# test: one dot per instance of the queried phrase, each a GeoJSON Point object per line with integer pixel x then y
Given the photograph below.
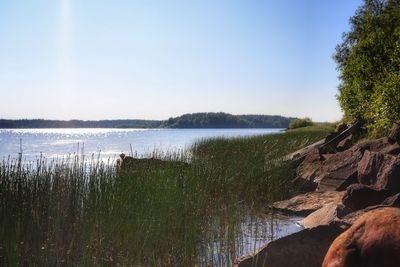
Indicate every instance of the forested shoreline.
{"type": "Point", "coordinates": [195, 120]}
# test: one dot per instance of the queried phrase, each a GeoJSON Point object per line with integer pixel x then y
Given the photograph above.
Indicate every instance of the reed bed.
{"type": "Point", "coordinates": [204, 206]}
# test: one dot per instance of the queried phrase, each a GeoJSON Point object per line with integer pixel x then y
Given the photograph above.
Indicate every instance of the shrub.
{"type": "Point", "coordinates": [299, 123]}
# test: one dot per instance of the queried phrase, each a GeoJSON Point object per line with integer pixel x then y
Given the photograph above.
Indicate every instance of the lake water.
{"type": "Point", "coordinates": [108, 142]}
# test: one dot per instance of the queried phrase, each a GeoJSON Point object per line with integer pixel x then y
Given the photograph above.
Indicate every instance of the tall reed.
{"type": "Point", "coordinates": [203, 206]}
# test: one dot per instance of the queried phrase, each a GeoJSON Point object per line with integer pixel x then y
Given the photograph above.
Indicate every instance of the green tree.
{"type": "Point", "coordinates": [299, 123]}
{"type": "Point", "coordinates": [368, 60]}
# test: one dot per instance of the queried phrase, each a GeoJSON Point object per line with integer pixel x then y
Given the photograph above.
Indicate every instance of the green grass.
{"type": "Point", "coordinates": [88, 213]}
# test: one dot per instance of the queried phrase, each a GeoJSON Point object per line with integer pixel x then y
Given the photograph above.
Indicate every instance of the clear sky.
{"type": "Point", "coordinates": [102, 59]}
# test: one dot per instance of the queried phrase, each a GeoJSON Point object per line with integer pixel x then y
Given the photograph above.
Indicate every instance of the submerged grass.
{"type": "Point", "coordinates": [79, 212]}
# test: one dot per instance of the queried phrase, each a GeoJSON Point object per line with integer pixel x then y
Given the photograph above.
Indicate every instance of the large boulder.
{"type": "Point", "coordinates": [337, 171]}
{"type": "Point", "coordinates": [373, 240]}
{"type": "Point", "coordinates": [349, 219]}
{"type": "Point", "coordinates": [332, 172]}
{"type": "Point", "coordinates": [374, 145]}
{"type": "Point", "coordinates": [389, 174]}
{"type": "Point", "coordinates": [307, 203]}
{"type": "Point", "coordinates": [369, 166]}
{"type": "Point", "coordinates": [340, 170]}
{"type": "Point", "coordinates": [379, 170]}
{"type": "Point", "coordinates": [306, 248]}
{"type": "Point", "coordinates": [359, 196]}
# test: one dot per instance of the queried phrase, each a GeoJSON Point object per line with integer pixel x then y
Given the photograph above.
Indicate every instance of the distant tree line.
{"type": "Point", "coordinates": [196, 120]}
{"type": "Point", "coordinates": [225, 120]}
{"type": "Point", "coordinates": [39, 123]}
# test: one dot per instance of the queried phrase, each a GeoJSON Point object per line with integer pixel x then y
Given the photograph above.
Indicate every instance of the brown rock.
{"type": "Point", "coordinates": [373, 240]}
{"type": "Point", "coordinates": [389, 174]}
{"type": "Point", "coordinates": [382, 171]}
{"type": "Point", "coordinates": [392, 201]}
{"type": "Point", "coordinates": [306, 248]}
{"type": "Point", "coordinates": [393, 149]}
{"type": "Point", "coordinates": [369, 166]}
{"type": "Point", "coordinates": [340, 170]}
{"type": "Point", "coordinates": [301, 153]}
{"type": "Point", "coordinates": [309, 171]}
{"type": "Point", "coordinates": [336, 172]}
{"type": "Point", "coordinates": [394, 135]}
{"type": "Point", "coordinates": [360, 196]}
{"type": "Point", "coordinates": [307, 203]}
{"type": "Point", "coordinates": [325, 215]}
{"type": "Point", "coordinates": [374, 145]}
{"type": "Point", "coordinates": [345, 144]}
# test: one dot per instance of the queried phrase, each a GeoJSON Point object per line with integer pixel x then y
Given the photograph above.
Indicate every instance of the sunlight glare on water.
{"type": "Point", "coordinates": [109, 143]}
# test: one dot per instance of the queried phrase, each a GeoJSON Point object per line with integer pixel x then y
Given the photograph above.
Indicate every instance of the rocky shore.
{"type": "Point", "coordinates": [351, 197]}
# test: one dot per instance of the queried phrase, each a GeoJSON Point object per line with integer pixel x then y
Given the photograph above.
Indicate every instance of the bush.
{"type": "Point", "coordinates": [299, 123]}
{"type": "Point", "coordinates": [368, 61]}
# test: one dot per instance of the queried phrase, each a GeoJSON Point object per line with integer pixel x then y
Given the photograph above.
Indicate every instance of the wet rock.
{"type": "Point", "coordinates": [306, 248]}
{"type": "Point", "coordinates": [360, 196]}
{"type": "Point", "coordinates": [325, 215]}
{"type": "Point", "coordinates": [373, 240]}
{"type": "Point", "coordinates": [394, 135]}
{"type": "Point", "coordinates": [307, 203]}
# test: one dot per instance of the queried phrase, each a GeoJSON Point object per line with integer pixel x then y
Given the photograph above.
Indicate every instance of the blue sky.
{"type": "Point", "coordinates": [101, 59]}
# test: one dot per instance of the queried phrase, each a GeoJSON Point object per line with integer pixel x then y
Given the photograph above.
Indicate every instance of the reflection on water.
{"type": "Point", "coordinates": [251, 233]}
{"type": "Point", "coordinates": [108, 142]}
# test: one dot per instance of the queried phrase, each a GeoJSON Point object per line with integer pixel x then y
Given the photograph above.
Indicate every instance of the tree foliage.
{"type": "Point", "coordinates": [368, 60]}
{"type": "Point", "coordinates": [225, 120]}
{"type": "Point", "coordinates": [299, 123]}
